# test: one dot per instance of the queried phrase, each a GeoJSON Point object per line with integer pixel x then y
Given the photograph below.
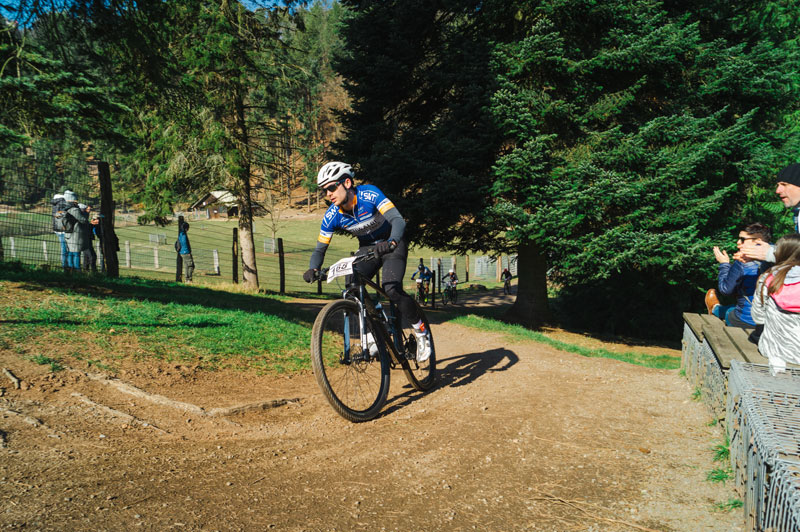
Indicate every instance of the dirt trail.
{"type": "Point", "coordinates": [515, 437]}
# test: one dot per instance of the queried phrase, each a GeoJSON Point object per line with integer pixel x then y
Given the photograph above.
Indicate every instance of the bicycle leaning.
{"type": "Point", "coordinates": [356, 342]}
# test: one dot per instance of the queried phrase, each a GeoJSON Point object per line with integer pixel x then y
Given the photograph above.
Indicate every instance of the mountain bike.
{"type": "Point", "coordinates": [449, 294]}
{"type": "Point", "coordinates": [421, 296]}
{"type": "Point", "coordinates": [507, 286]}
{"type": "Point", "coordinates": [356, 342]}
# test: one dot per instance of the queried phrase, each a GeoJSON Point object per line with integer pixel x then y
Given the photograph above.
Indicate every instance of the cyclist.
{"type": "Point", "coordinates": [425, 275]}
{"type": "Point", "coordinates": [450, 282]}
{"type": "Point", "coordinates": [506, 278]}
{"type": "Point", "coordinates": [366, 213]}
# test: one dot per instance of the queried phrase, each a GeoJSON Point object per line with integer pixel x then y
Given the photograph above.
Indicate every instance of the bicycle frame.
{"type": "Point", "coordinates": [391, 335]}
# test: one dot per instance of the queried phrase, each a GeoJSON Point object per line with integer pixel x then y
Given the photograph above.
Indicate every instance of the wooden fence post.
{"type": "Point", "coordinates": [127, 254]}
{"type": "Point", "coordinates": [281, 266]}
{"type": "Point", "coordinates": [235, 257]}
{"type": "Point", "coordinates": [44, 247]}
{"type": "Point", "coordinates": [466, 276]}
{"type": "Point", "coordinates": [178, 268]}
{"type": "Point", "coordinates": [438, 270]}
{"type": "Point", "coordinates": [110, 242]}
{"type": "Point", "coordinates": [433, 295]}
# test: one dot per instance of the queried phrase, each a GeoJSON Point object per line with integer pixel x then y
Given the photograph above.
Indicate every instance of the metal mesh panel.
{"type": "Point", "coordinates": [783, 499]}
{"type": "Point", "coordinates": [757, 377]}
{"type": "Point", "coordinates": [704, 360]}
{"type": "Point", "coordinates": [764, 431]}
{"type": "Point", "coordinates": [690, 344]}
{"type": "Point", "coordinates": [714, 383]}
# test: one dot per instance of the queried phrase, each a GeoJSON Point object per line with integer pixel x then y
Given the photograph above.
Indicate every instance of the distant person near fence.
{"type": "Point", "coordinates": [59, 210]}
{"type": "Point", "coordinates": [76, 239]}
{"type": "Point", "coordinates": [185, 249]}
{"type": "Point", "coordinates": [89, 253]}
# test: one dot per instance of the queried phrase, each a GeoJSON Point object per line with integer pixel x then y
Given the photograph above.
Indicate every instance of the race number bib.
{"type": "Point", "coordinates": [341, 268]}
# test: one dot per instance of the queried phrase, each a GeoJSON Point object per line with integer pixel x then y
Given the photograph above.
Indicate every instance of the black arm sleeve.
{"type": "Point", "coordinates": [398, 224]}
{"type": "Point", "coordinates": [317, 256]}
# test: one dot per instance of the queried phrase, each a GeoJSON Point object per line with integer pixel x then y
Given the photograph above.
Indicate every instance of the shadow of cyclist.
{"type": "Point", "coordinates": [458, 370]}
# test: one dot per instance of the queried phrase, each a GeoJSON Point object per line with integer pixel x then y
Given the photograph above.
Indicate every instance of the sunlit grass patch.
{"type": "Point", "coordinates": [102, 322]}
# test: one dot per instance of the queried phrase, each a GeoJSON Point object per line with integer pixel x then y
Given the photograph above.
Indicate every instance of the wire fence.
{"type": "Point", "coordinates": [29, 182]}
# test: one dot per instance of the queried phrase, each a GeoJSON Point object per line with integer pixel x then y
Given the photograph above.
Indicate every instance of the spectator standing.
{"type": "Point", "coordinates": [185, 249]}
{"type": "Point", "coordinates": [737, 278]}
{"type": "Point", "coordinates": [58, 205]}
{"type": "Point", "coordinates": [89, 254]}
{"type": "Point", "coordinates": [76, 240]}
{"type": "Point", "coordinates": [788, 190]}
{"type": "Point", "coordinates": [777, 305]}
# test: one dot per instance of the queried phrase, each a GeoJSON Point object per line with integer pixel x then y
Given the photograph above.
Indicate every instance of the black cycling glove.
{"type": "Point", "coordinates": [382, 248]}
{"type": "Point", "coordinates": [310, 275]}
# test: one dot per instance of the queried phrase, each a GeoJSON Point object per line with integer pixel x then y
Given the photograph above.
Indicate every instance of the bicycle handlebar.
{"type": "Point", "coordinates": [322, 274]}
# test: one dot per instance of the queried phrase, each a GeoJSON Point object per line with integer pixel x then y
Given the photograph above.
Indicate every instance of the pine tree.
{"type": "Point", "coordinates": [610, 143]}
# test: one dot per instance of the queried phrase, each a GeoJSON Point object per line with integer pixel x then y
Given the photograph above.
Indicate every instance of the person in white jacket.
{"type": "Point", "coordinates": [776, 304]}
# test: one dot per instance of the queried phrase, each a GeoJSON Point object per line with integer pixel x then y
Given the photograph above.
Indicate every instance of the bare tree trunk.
{"type": "Point", "coordinates": [530, 308]}
{"type": "Point", "coordinates": [246, 241]}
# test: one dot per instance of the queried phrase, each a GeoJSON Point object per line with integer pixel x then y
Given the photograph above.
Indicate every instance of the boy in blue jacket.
{"type": "Point", "coordinates": [738, 279]}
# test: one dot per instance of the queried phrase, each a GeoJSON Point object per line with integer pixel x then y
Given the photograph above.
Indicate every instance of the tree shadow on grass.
{"type": "Point", "coordinates": [459, 370]}
{"type": "Point", "coordinates": [135, 288]}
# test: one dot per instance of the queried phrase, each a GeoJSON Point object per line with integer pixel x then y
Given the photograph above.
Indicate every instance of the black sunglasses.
{"type": "Point", "coordinates": [333, 187]}
{"type": "Point", "coordinates": [740, 239]}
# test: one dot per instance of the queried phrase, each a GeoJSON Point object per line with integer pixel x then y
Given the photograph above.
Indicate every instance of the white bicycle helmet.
{"type": "Point", "coordinates": [332, 172]}
{"type": "Point", "coordinates": [451, 270]}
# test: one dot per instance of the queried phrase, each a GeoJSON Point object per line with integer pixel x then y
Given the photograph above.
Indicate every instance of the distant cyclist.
{"type": "Point", "coordinates": [451, 279]}
{"type": "Point", "coordinates": [425, 275]}
{"type": "Point", "coordinates": [366, 213]}
{"type": "Point", "coordinates": [506, 278]}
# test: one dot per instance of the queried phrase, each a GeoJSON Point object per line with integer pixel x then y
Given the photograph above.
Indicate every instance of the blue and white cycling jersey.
{"type": "Point", "coordinates": [365, 222]}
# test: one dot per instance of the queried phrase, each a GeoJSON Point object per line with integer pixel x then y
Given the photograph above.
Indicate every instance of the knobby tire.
{"type": "Point", "coordinates": [357, 387]}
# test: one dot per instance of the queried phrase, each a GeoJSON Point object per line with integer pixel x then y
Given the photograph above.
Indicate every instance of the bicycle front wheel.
{"type": "Point", "coordinates": [353, 378]}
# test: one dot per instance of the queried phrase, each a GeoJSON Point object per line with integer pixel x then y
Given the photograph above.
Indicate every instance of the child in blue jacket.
{"type": "Point", "coordinates": [738, 279]}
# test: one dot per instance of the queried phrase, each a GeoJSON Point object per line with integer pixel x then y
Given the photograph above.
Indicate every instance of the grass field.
{"type": "Point", "coordinates": [147, 250]}
{"type": "Point", "coordinates": [91, 321]}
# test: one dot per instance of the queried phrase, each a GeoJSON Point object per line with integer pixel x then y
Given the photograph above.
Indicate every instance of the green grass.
{"type": "Point", "coordinates": [731, 504]}
{"type": "Point", "coordinates": [518, 332]}
{"type": "Point", "coordinates": [101, 321]}
{"type": "Point", "coordinates": [720, 474]}
{"type": "Point", "coordinates": [722, 451]}
{"type": "Point", "coordinates": [55, 365]}
{"type": "Point", "coordinates": [697, 393]}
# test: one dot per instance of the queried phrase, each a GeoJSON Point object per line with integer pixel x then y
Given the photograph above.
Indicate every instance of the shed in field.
{"type": "Point", "coordinates": [217, 204]}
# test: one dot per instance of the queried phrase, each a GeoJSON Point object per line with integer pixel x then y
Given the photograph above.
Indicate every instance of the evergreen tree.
{"type": "Point", "coordinates": [611, 143]}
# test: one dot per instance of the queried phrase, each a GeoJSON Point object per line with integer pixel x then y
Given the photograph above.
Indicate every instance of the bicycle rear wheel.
{"type": "Point", "coordinates": [421, 375]}
{"type": "Point", "coordinates": [354, 381]}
